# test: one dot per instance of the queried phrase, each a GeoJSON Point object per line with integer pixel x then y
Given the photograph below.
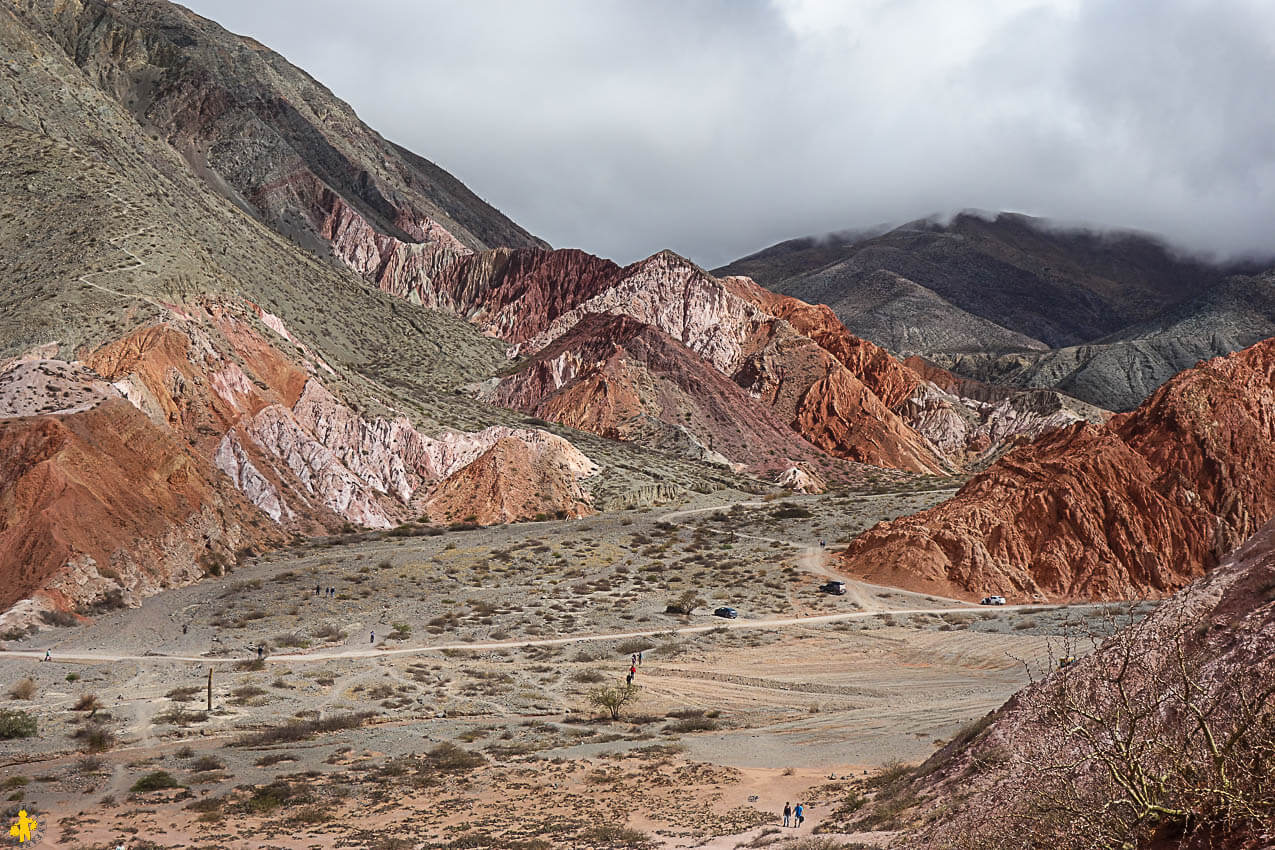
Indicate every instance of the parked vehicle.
{"type": "Point", "coordinates": [836, 588]}
{"type": "Point", "coordinates": [993, 600]}
{"type": "Point", "coordinates": [728, 613]}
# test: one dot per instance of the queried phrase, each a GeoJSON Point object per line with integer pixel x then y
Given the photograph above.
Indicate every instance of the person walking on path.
{"type": "Point", "coordinates": [373, 640]}
{"type": "Point", "coordinates": [48, 655]}
{"type": "Point", "coordinates": [316, 590]}
{"type": "Point", "coordinates": [798, 815]}
{"type": "Point", "coordinates": [787, 814]}
{"type": "Point", "coordinates": [639, 659]}
{"type": "Point", "coordinates": [628, 680]}
{"type": "Point", "coordinates": [632, 670]}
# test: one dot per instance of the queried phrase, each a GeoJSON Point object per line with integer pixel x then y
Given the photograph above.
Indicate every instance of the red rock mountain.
{"type": "Point", "coordinates": [1142, 504]}
{"type": "Point", "coordinates": [792, 359]}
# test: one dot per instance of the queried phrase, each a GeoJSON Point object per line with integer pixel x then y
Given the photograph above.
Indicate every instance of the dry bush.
{"type": "Point", "coordinates": [1141, 744]}
{"type": "Point", "coordinates": [95, 737]}
{"type": "Point", "coordinates": [300, 730]}
{"type": "Point", "coordinates": [24, 689]}
{"type": "Point", "coordinates": [87, 702]}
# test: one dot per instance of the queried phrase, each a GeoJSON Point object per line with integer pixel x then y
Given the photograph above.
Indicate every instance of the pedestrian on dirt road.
{"type": "Point", "coordinates": [628, 680]}
{"type": "Point", "coordinates": [48, 655]}
{"type": "Point", "coordinates": [373, 640]}
{"type": "Point", "coordinates": [185, 627]}
{"type": "Point", "coordinates": [632, 670]}
{"type": "Point", "coordinates": [798, 815]}
{"type": "Point", "coordinates": [633, 659]}
{"type": "Point", "coordinates": [787, 814]}
{"type": "Point", "coordinates": [261, 652]}
{"type": "Point", "coordinates": [639, 659]}
{"type": "Point", "coordinates": [316, 590]}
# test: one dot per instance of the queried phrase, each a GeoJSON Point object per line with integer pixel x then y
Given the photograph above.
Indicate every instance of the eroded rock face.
{"type": "Point", "coordinates": [105, 498]}
{"type": "Point", "coordinates": [1143, 504]}
{"type": "Point", "coordinates": [1221, 629]}
{"type": "Point", "coordinates": [792, 357]}
{"type": "Point", "coordinates": [800, 480]}
{"type": "Point", "coordinates": [626, 380]}
{"type": "Point", "coordinates": [515, 479]}
{"type": "Point", "coordinates": [231, 443]}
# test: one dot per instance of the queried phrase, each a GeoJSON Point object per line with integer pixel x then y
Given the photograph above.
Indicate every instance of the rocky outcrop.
{"type": "Point", "coordinates": [515, 479]}
{"type": "Point", "coordinates": [1142, 504]}
{"type": "Point", "coordinates": [104, 502]}
{"type": "Point", "coordinates": [232, 444]}
{"type": "Point", "coordinates": [793, 358]}
{"type": "Point", "coordinates": [801, 480]}
{"type": "Point", "coordinates": [1220, 633]}
{"type": "Point", "coordinates": [516, 294]}
{"type": "Point", "coordinates": [626, 380]}
{"type": "Point", "coordinates": [968, 430]}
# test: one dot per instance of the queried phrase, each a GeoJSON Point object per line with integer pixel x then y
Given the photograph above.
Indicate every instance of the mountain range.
{"type": "Point", "coordinates": [240, 318]}
{"type": "Point", "coordinates": [1105, 317]}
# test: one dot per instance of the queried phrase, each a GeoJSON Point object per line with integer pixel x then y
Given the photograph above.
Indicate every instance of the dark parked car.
{"type": "Point", "coordinates": [728, 613]}
{"type": "Point", "coordinates": [836, 588]}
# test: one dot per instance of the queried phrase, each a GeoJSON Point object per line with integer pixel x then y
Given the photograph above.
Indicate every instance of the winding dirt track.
{"type": "Point", "coordinates": [292, 658]}
{"type": "Point", "coordinates": [812, 560]}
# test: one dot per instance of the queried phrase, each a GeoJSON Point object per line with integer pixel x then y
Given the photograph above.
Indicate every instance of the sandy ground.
{"type": "Point", "coordinates": [504, 632]}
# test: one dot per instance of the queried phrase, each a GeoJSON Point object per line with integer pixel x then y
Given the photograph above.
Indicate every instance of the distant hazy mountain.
{"type": "Point", "coordinates": [1106, 317]}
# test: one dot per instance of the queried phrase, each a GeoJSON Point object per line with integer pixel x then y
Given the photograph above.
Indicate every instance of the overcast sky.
{"type": "Point", "coordinates": [717, 128]}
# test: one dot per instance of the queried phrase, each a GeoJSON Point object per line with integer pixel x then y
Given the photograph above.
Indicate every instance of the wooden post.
{"type": "Point", "coordinates": [210, 669]}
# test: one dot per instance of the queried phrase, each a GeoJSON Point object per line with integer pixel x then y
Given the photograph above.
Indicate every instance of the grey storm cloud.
{"type": "Point", "coordinates": [717, 127]}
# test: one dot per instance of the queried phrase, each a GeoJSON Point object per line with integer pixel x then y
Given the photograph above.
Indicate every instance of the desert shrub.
{"type": "Point", "coordinates": [95, 737]}
{"type": "Point", "coordinates": [203, 764]}
{"type": "Point", "coordinates": [270, 798]}
{"type": "Point", "coordinates": [250, 665]}
{"type": "Point", "coordinates": [157, 780]}
{"type": "Point", "coordinates": [329, 633]}
{"type": "Point", "coordinates": [179, 716]}
{"type": "Point", "coordinates": [588, 677]}
{"type": "Point", "coordinates": [684, 604]}
{"type": "Point", "coordinates": [614, 835]}
{"type": "Point", "coordinates": [300, 730]}
{"type": "Point", "coordinates": [64, 619]}
{"type": "Point", "coordinates": [87, 702]}
{"type": "Point", "coordinates": [402, 631]}
{"type": "Point", "coordinates": [274, 758]}
{"type": "Point", "coordinates": [787, 510]}
{"type": "Point", "coordinates": [613, 699]}
{"type": "Point", "coordinates": [449, 758]}
{"type": "Point", "coordinates": [185, 694]}
{"type": "Point", "coordinates": [691, 724]}
{"type": "Point", "coordinates": [90, 764]}
{"type": "Point", "coordinates": [291, 639]}
{"type": "Point", "coordinates": [24, 689]}
{"type": "Point", "coordinates": [633, 645]}
{"type": "Point", "coordinates": [16, 724]}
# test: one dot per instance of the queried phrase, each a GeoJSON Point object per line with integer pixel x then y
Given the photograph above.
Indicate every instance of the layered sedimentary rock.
{"type": "Point", "coordinates": [175, 448]}
{"type": "Point", "coordinates": [266, 135]}
{"type": "Point", "coordinates": [515, 479]}
{"type": "Point", "coordinates": [105, 503]}
{"type": "Point", "coordinates": [796, 360]}
{"type": "Point", "coordinates": [1142, 504]}
{"type": "Point", "coordinates": [626, 380]}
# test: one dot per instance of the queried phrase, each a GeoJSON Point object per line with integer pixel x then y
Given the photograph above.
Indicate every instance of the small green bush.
{"type": "Point", "coordinates": [16, 724]}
